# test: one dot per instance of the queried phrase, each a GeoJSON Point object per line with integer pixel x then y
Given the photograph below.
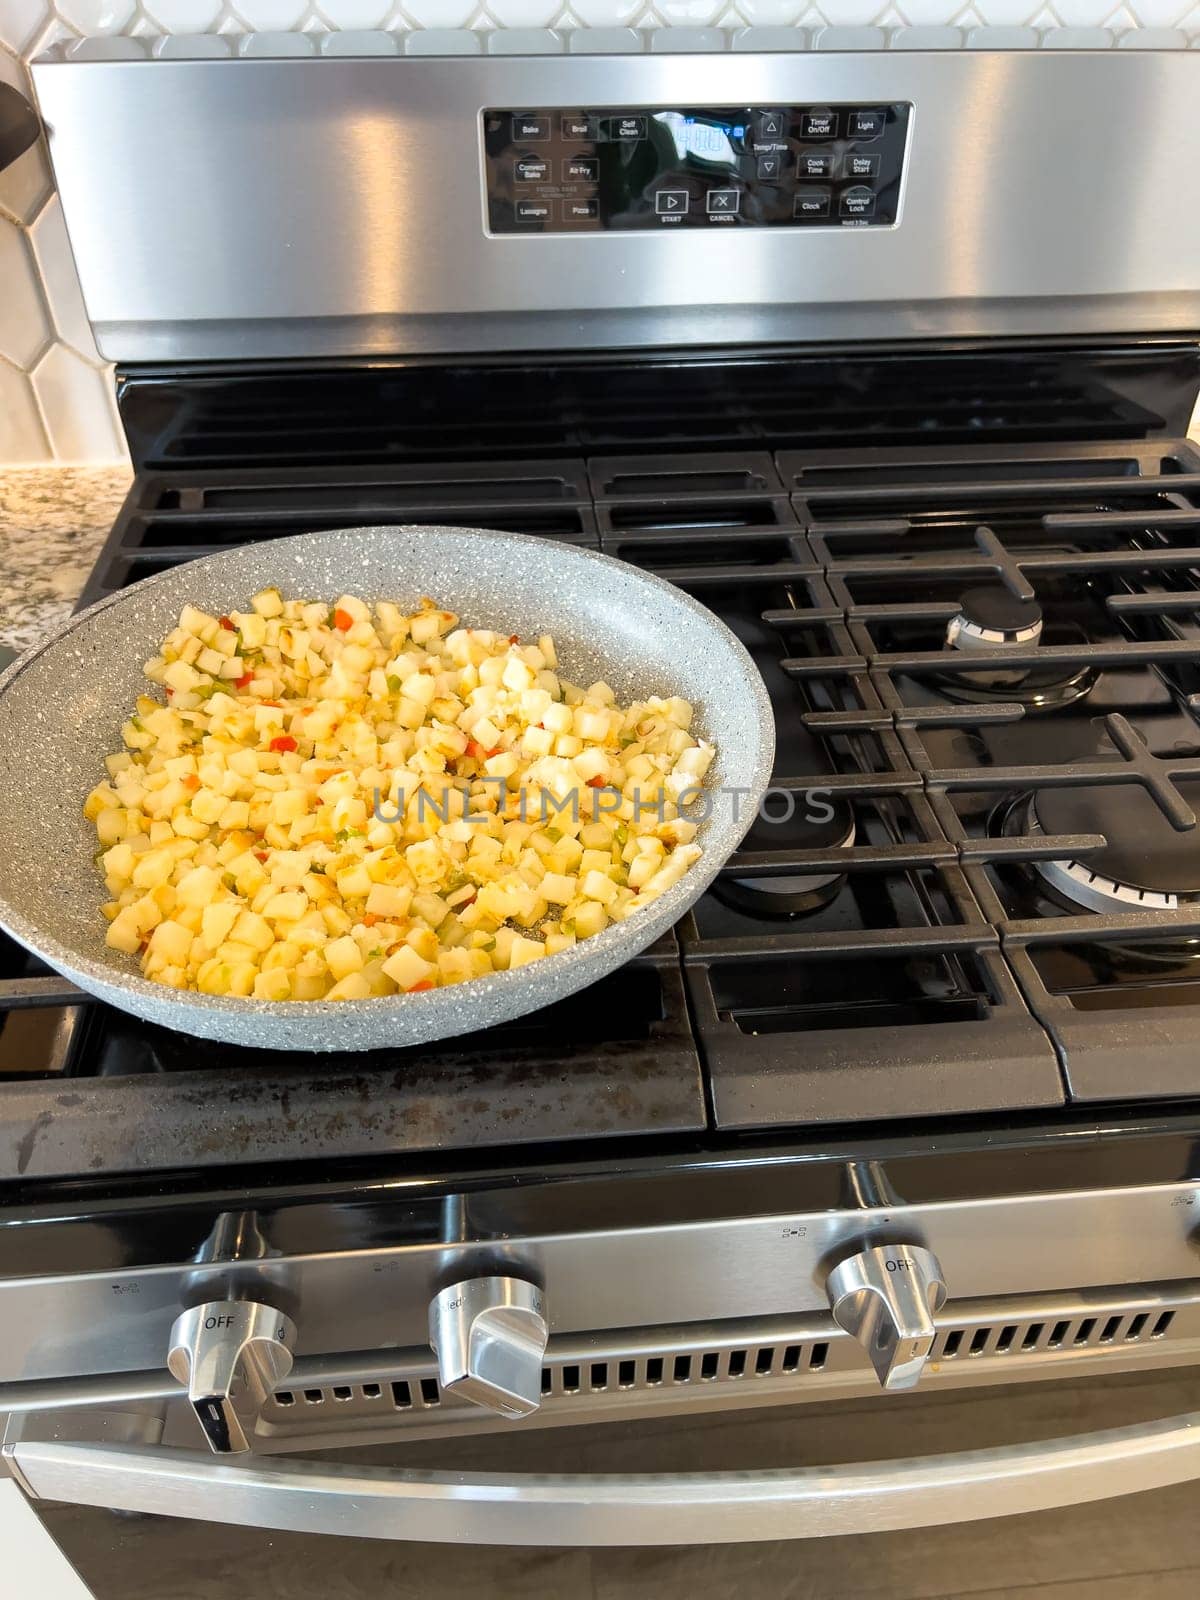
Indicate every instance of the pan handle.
{"type": "Point", "coordinates": [19, 125]}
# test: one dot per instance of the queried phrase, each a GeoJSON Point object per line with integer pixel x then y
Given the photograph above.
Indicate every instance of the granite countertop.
{"type": "Point", "coordinates": [53, 521]}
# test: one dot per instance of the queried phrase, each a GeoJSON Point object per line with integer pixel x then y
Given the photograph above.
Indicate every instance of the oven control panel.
{"type": "Point", "coordinates": [583, 170]}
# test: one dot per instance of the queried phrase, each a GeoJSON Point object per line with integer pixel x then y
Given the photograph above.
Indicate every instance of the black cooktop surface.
{"type": "Point", "coordinates": [977, 888]}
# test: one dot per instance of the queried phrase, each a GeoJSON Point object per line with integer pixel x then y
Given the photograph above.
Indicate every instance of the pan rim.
{"type": "Point", "coordinates": [544, 980]}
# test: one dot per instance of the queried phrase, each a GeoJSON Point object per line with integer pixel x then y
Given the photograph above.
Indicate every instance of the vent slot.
{"type": "Point", "coordinates": [371, 1391]}
{"type": "Point", "coordinates": [314, 1397]}
{"type": "Point", "coordinates": [737, 1363]}
{"type": "Point", "coordinates": [764, 1360]}
{"type": "Point", "coordinates": [953, 1340]}
{"type": "Point", "coordinates": [1033, 1333]}
{"type": "Point", "coordinates": [682, 1370]}
{"type": "Point", "coordinates": [817, 1357]}
{"type": "Point", "coordinates": [1057, 1334]}
{"type": "Point", "coordinates": [1109, 1331]}
{"type": "Point", "coordinates": [979, 1341]}
{"type": "Point", "coordinates": [654, 1371]}
{"type": "Point", "coordinates": [401, 1395]}
{"type": "Point", "coordinates": [1085, 1330]}
{"type": "Point", "coordinates": [570, 1380]}
{"type": "Point", "coordinates": [1134, 1330]}
{"type": "Point", "coordinates": [627, 1374]}
{"type": "Point", "coordinates": [285, 1397]}
{"type": "Point", "coordinates": [1163, 1323]}
{"type": "Point", "coordinates": [431, 1395]}
{"type": "Point", "coordinates": [599, 1375]}
{"type": "Point", "coordinates": [1007, 1335]}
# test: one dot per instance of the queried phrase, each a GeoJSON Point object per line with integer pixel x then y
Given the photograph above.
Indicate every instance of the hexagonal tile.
{"type": "Point", "coordinates": [182, 16]}
{"type": "Point", "coordinates": [23, 327]}
{"type": "Point", "coordinates": [524, 13]}
{"type": "Point", "coordinates": [688, 13]}
{"type": "Point", "coordinates": [770, 13]}
{"type": "Point", "coordinates": [606, 13]}
{"type": "Point", "coordinates": [271, 16]}
{"type": "Point", "coordinates": [20, 21]}
{"type": "Point", "coordinates": [354, 15]}
{"type": "Point", "coordinates": [25, 185]}
{"type": "Point", "coordinates": [77, 405]}
{"type": "Point", "coordinates": [440, 13]}
{"type": "Point", "coordinates": [22, 438]}
{"type": "Point", "coordinates": [52, 251]}
{"type": "Point", "coordinates": [94, 17]}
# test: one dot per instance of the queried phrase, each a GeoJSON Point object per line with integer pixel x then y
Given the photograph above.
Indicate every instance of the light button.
{"type": "Point", "coordinates": [865, 125]}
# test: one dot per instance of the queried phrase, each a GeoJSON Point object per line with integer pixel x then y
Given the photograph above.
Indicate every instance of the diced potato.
{"type": "Point", "coordinates": [406, 968]}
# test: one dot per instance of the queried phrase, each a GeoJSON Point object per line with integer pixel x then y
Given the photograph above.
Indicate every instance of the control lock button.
{"type": "Point", "coordinates": [858, 202]}
{"type": "Point", "coordinates": [670, 202]}
{"type": "Point", "coordinates": [532, 169]}
{"type": "Point", "coordinates": [811, 203]}
{"type": "Point", "coordinates": [724, 202]}
{"type": "Point", "coordinates": [866, 166]}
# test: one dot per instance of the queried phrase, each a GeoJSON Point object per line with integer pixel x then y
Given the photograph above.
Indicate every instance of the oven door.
{"type": "Point", "coordinates": [142, 1520]}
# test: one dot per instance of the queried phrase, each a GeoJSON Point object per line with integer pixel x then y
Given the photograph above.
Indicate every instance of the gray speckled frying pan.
{"type": "Point", "coordinates": [63, 703]}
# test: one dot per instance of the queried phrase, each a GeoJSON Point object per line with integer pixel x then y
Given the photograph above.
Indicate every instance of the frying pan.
{"type": "Point", "coordinates": [63, 703]}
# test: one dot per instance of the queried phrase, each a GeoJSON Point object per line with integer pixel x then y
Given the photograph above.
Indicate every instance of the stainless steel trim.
{"type": "Point", "coordinates": [358, 230]}
{"type": "Point", "coordinates": [638, 1509]}
{"type": "Point", "coordinates": [742, 1266]}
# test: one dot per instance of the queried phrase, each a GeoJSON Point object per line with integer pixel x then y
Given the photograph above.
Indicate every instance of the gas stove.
{"type": "Point", "coordinates": [912, 1095]}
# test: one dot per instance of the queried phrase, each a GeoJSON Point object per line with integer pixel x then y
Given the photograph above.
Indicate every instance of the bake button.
{"type": "Point", "coordinates": [670, 202]}
{"type": "Point", "coordinates": [861, 167]}
{"type": "Point", "coordinates": [865, 125]}
{"type": "Point", "coordinates": [581, 210]}
{"type": "Point", "coordinates": [724, 202]}
{"type": "Point", "coordinates": [533, 210]}
{"type": "Point", "coordinates": [770, 167]}
{"type": "Point", "coordinates": [525, 128]}
{"type": "Point", "coordinates": [532, 169]}
{"type": "Point", "coordinates": [816, 164]}
{"type": "Point", "coordinates": [628, 127]}
{"type": "Point", "coordinates": [581, 169]}
{"type": "Point", "coordinates": [858, 202]}
{"type": "Point", "coordinates": [811, 203]}
{"type": "Point", "coordinates": [770, 125]}
{"type": "Point", "coordinates": [819, 125]}
{"type": "Point", "coordinates": [577, 128]}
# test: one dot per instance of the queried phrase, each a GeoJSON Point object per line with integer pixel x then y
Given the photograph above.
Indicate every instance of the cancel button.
{"type": "Point", "coordinates": [858, 202]}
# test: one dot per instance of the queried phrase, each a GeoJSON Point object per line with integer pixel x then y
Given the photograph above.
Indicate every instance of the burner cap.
{"type": "Point", "coordinates": [1146, 864]}
{"type": "Point", "coordinates": [791, 893]}
{"type": "Point", "coordinates": [991, 617]}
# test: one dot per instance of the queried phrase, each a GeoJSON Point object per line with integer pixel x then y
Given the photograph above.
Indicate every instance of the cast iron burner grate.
{"type": "Point", "coordinates": [927, 977]}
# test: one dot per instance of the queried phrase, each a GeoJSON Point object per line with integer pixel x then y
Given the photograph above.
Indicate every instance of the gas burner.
{"type": "Point", "coordinates": [1146, 864]}
{"type": "Point", "coordinates": [791, 894]}
{"type": "Point", "coordinates": [990, 620]}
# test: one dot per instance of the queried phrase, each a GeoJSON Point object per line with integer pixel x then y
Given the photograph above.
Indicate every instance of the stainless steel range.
{"type": "Point", "coordinates": [889, 360]}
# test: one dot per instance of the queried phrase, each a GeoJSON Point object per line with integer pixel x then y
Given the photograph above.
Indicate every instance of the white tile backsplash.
{"type": "Point", "coordinates": [55, 392]}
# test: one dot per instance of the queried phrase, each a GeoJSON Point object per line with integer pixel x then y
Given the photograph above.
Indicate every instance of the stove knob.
{"type": "Point", "coordinates": [231, 1354]}
{"type": "Point", "coordinates": [489, 1335]}
{"type": "Point", "coordinates": [885, 1297]}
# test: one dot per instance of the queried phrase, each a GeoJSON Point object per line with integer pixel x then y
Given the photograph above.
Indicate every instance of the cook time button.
{"type": "Point", "coordinates": [531, 169]}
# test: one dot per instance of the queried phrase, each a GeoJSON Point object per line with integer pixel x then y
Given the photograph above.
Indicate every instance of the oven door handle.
{"type": "Point", "coordinates": [639, 1509]}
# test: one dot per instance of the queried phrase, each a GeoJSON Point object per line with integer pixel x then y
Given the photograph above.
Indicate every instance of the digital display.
{"type": "Point", "coordinates": [587, 170]}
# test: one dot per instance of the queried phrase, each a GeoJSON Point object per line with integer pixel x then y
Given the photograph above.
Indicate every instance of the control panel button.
{"type": "Point", "coordinates": [816, 164]}
{"type": "Point", "coordinates": [819, 125]}
{"type": "Point", "coordinates": [811, 203]}
{"type": "Point", "coordinates": [533, 210]}
{"type": "Point", "coordinates": [770, 167]}
{"type": "Point", "coordinates": [627, 128]}
{"type": "Point", "coordinates": [532, 169]}
{"type": "Point", "coordinates": [670, 202]}
{"type": "Point", "coordinates": [865, 125]}
{"type": "Point", "coordinates": [577, 127]}
{"type": "Point", "coordinates": [724, 202]}
{"type": "Point", "coordinates": [581, 169]}
{"type": "Point", "coordinates": [860, 167]}
{"type": "Point", "coordinates": [858, 202]}
{"type": "Point", "coordinates": [581, 210]}
{"type": "Point", "coordinates": [526, 128]}
{"type": "Point", "coordinates": [769, 125]}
